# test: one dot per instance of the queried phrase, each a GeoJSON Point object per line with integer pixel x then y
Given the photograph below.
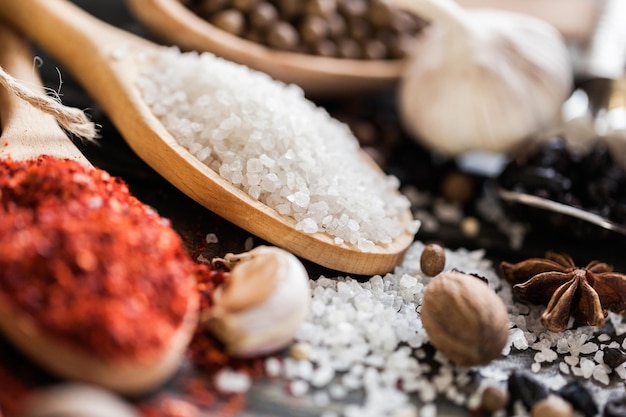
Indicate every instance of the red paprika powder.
{"type": "Point", "coordinates": [89, 262]}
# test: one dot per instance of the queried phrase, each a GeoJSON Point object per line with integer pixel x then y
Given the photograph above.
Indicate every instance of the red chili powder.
{"type": "Point", "coordinates": [89, 262]}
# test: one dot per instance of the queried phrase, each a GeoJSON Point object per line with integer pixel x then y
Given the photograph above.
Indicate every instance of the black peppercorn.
{"type": "Point", "coordinates": [349, 48]}
{"type": "Point", "coordinates": [244, 5]}
{"type": "Point", "coordinates": [321, 7]}
{"type": "Point", "coordinates": [313, 29]}
{"type": "Point", "coordinates": [326, 47]}
{"type": "Point", "coordinates": [283, 36]}
{"type": "Point", "coordinates": [263, 15]}
{"type": "Point", "coordinates": [380, 13]}
{"type": "Point", "coordinates": [580, 398]}
{"type": "Point", "coordinates": [614, 357]}
{"type": "Point", "coordinates": [205, 8]}
{"type": "Point", "coordinates": [524, 387]}
{"type": "Point", "coordinates": [231, 21]}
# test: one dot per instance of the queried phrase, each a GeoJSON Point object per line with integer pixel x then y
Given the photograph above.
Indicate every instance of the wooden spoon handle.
{"type": "Point", "coordinates": [27, 132]}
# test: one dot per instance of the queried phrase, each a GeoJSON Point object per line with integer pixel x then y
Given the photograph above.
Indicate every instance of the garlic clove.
{"type": "Point", "coordinates": [265, 300]}
{"type": "Point", "coordinates": [482, 79]}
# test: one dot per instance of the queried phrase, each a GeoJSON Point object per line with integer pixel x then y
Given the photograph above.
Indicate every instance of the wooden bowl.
{"type": "Point", "coordinates": [318, 76]}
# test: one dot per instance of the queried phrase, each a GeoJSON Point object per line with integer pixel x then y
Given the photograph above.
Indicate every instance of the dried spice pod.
{"type": "Point", "coordinates": [464, 318]}
{"type": "Point", "coordinates": [585, 293]}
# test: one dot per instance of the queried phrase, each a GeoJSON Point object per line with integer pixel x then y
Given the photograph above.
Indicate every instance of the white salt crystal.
{"type": "Point", "coordinates": [564, 368]}
{"type": "Point", "coordinates": [601, 374]}
{"type": "Point", "coordinates": [322, 376]}
{"type": "Point", "coordinates": [227, 380]}
{"type": "Point", "coordinates": [587, 366]}
{"type": "Point", "coordinates": [428, 410]}
{"type": "Point", "coordinates": [519, 340]}
{"type": "Point", "coordinates": [211, 238]}
{"type": "Point", "coordinates": [321, 399]}
{"type": "Point", "coordinates": [588, 348]}
{"type": "Point", "coordinates": [571, 360]}
{"type": "Point", "coordinates": [338, 391]}
{"type": "Point", "coordinates": [298, 388]}
{"type": "Point", "coordinates": [428, 393]}
{"type": "Point", "coordinates": [307, 225]}
{"type": "Point", "coordinates": [535, 367]}
{"type": "Point", "coordinates": [599, 357]}
{"type": "Point", "coordinates": [273, 366]}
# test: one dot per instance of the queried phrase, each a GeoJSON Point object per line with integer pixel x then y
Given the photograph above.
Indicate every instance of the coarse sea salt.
{"type": "Point", "coordinates": [266, 138]}
{"type": "Point", "coordinates": [366, 337]}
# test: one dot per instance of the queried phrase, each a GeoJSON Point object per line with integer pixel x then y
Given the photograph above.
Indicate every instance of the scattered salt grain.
{"type": "Point", "coordinates": [230, 381]}
{"type": "Point", "coordinates": [211, 238]}
{"type": "Point", "coordinates": [266, 138]}
{"type": "Point", "coordinates": [273, 367]}
{"type": "Point", "coordinates": [367, 333]}
{"type": "Point", "coordinates": [298, 388]}
{"type": "Point", "coordinates": [601, 374]}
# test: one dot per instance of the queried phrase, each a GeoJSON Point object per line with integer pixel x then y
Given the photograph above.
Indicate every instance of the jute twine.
{"type": "Point", "coordinates": [74, 120]}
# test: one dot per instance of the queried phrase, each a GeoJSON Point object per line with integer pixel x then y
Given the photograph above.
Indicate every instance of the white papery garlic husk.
{"type": "Point", "coordinates": [481, 79]}
{"type": "Point", "coordinates": [262, 304]}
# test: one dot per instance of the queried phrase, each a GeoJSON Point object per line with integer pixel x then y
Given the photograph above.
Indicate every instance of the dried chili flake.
{"type": "Point", "coordinates": [89, 262]}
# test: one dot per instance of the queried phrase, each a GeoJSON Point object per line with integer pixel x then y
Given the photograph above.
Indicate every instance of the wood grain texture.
{"type": "Point", "coordinates": [27, 132]}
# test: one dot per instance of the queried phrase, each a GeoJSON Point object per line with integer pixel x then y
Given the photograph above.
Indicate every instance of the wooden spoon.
{"type": "Point", "coordinates": [106, 61]}
{"type": "Point", "coordinates": [319, 76]}
{"type": "Point", "coordinates": [26, 134]}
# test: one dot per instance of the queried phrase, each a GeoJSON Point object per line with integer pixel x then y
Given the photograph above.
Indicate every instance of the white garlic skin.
{"type": "Point", "coordinates": [488, 91]}
{"type": "Point", "coordinates": [271, 324]}
{"type": "Point", "coordinates": [75, 399]}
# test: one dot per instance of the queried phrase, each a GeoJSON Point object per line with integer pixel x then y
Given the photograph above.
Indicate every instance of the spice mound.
{"type": "Point", "coordinates": [584, 293]}
{"type": "Point", "coordinates": [267, 139]}
{"type": "Point", "coordinates": [88, 262]}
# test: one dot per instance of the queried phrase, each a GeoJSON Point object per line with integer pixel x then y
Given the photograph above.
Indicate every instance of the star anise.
{"type": "Point", "coordinates": [585, 293]}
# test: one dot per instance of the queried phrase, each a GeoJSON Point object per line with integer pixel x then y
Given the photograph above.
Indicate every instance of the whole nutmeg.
{"type": "Point", "coordinates": [464, 318]}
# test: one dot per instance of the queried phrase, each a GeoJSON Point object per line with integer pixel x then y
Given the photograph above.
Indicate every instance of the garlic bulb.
{"type": "Point", "coordinates": [481, 79]}
{"type": "Point", "coordinates": [263, 302]}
